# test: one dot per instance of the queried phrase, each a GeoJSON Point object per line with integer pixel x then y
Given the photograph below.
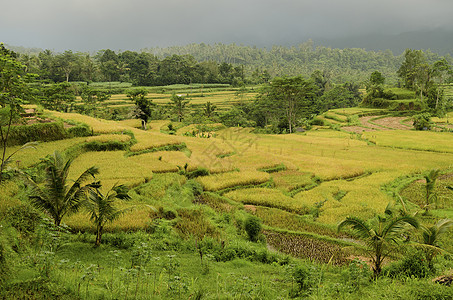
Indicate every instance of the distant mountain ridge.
{"type": "Point", "coordinates": [439, 41]}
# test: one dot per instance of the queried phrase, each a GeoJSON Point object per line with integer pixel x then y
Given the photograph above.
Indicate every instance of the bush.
{"type": "Point", "coordinates": [79, 130]}
{"type": "Point", "coordinates": [44, 132]}
{"type": "Point", "coordinates": [303, 277]}
{"type": "Point", "coordinates": [253, 227]}
{"type": "Point", "coordinates": [414, 265]}
{"type": "Point", "coordinates": [23, 217]}
{"type": "Point", "coordinates": [197, 173]}
{"type": "Point", "coordinates": [195, 187]}
{"type": "Point", "coordinates": [422, 121]}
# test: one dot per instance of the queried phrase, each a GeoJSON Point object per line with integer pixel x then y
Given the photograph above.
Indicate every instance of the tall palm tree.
{"type": "Point", "coordinates": [430, 236]}
{"type": "Point", "coordinates": [101, 207]}
{"type": "Point", "coordinates": [56, 195]}
{"type": "Point", "coordinates": [381, 238]}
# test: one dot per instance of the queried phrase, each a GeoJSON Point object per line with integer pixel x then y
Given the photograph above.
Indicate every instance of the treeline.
{"type": "Point", "coordinates": [342, 65]}
{"type": "Point", "coordinates": [217, 63]}
{"type": "Point", "coordinates": [138, 68]}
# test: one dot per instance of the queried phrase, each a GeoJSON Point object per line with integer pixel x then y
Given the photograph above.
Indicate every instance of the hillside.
{"type": "Point", "coordinates": [185, 232]}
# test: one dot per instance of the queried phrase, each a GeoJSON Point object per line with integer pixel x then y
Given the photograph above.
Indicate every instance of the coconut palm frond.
{"type": "Point", "coordinates": [358, 225]}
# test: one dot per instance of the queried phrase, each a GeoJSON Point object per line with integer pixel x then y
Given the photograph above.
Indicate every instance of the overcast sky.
{"type": "Point", "coordinates": [89, 25]}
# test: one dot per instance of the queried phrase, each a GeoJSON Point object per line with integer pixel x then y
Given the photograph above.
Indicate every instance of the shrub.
{"type": "Point", "coordinates": [302, 275]}
{"type": "Point", "coordinates": [44, 132]}
{"type": "Point", "coordinates": [253, 227]}
{"type": "Point", "coordinates": [79, 130]}
{"type": "Point", "coordinates": [422, 121]}
{"type": "Point", "coordinates": [197, 173]}
{"type": "Point", "coordinates": [23, 217]}
{"type": "Point", "coordinates": [195, 187]}
{"type": "Point", "coordinates": [413, 265]}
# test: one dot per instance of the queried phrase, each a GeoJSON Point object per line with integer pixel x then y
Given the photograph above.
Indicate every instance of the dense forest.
{"type": "Point", "coordinates": [217, 63]}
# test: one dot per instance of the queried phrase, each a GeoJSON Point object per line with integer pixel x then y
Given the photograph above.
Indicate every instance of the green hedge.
{"type": "Point", "coordinates": [43, 132]}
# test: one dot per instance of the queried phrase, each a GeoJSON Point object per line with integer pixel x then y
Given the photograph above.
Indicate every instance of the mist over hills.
{"type": "Point", "coordinates": [437, 40]}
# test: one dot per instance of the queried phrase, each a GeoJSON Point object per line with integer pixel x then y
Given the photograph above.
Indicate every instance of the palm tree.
{"type": "Point", "coordinates": [209, 109]}
{"type": "Point", "coordinates": [179, 105]}
{"type": "Point", "coordinates": [56, 196]}
{"type": "Point", "coordinates": [430, 196]}
{"type": "Point", "coordinates": [381, 238]}
{"type": "Point", "coordinates": [430, 237]}
{"type": "Point", "coordinates": [101, 207]}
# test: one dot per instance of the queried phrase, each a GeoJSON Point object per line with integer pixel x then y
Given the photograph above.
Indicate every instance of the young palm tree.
{"type": "Point", "coordinates": [430, 195]}
{"type": "Point", "coordinates": [56, 196]}
{"type": "Point", "coordinates": [179, 105]}
{"type": "Point", "coordinates": [101, 207]}
{"type": "Point", "coordinates": [431, 236]}
{"type": "Point", "coordinates": [209, 109]}
{"type": "Point", "coordinates": [382, 238]}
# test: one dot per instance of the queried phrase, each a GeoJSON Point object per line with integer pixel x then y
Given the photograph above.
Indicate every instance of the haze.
{"type": "Point", "coordinates": [89, 25]}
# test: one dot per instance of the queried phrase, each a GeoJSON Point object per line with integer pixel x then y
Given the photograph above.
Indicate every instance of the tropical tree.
{"type": "Point", "coordinates": [13, 91]}
{"type": "Point", "coordinates": [430, 195]}
{"type": "Point", "coordinates": [143, 106]}
{"type": "Point", "coordinates": [101, 207]}
{"type": "Point", "coordinates": [209, 109]}
{"type": "Point", "coordinates": [292, 95]}
{"type": "Point", "coordinates": [56, 196]}
{"type": "Point", "coordinates": [380, 236]}
{"type": "Point", "coordinates": [430, 238]}
{"type": "Point", "coordinates": [178, 105]}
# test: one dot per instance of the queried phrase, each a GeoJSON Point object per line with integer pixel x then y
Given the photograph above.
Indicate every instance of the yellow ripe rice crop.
{"type": "Point", "coordinates": [408, 139]}
{"type": "Point", "coordinates": [448, 118]}
{"type": "Point", "coordinates": [151, 161]}
{"type": "Point", "coordinates": [265, 197]}
{"type": "Point", "coordinates": [98, 125]}
{"type": "Point", "coordinates": [134, 123]}
{"type": "Point", "coordinates": [103, 138]}
{"type": "Point", "coordinates": [361, 196]}
{"type": "Point", "coordinates": [113, 166]}
{"type": "Point", "coordinates": [149, 140]}
{"type": "Point", "coordinates": [137, 217]}
{"type": "Point", "coordinates": [353, 110]}
{"type": "Point", "coordinates": [291, 179]}
{"type": "Point", "coordinates": [222, 181]}
{"type": "Point", "coordinates": [31, 156]}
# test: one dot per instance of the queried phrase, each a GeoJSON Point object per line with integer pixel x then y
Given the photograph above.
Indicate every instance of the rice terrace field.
{"type": "Point", "coordinates": [213, 195]}
{"type": "Point", "coordinates": [299, 185]}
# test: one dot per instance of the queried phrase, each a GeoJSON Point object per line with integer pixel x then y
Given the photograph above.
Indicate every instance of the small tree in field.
{"type": "Point", "coordinates": [143, 106]}
{"type": "Point", "coordinates": [101, 207]}
{"type": "Point", "coordinates": [381, 236]}
{"type": "Point", "coordinates": [253, 228]}
{"type": "Point", "coordinates": [178, 105]}
{"type": "Point", "coordinates": [55, 195]}
{"type": "Point", "coordinates": [430, 195]}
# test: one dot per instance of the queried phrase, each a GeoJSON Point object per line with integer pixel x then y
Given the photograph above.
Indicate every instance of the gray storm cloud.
{"type": "Point", "coordinates": [87, 25]}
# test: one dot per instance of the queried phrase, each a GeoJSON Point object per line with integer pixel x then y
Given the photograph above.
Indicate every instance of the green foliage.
{"type": "Point", "coordinates": [412, 265]}
{"type": "Point", "coordinates": [79, 130]}
{"type": "Point", "coordinates": [380, 237]}
{"type": "Point", "coordinates": [422, 121]}
{"type": "Point", "coordinates": [24, 218]}
{"type": "Point", "coordinates": [253, 227]}
{"type": "Point", "coordinates": [43, 132]}
{"type": "Point", "coordinates": [197, 173]}
{"type": "Point", "coordinates": [102, 209]}
{"type": "Point", "coordinates": [303, 277]}
{"type": "Point", "coordinates": [55, 196]}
